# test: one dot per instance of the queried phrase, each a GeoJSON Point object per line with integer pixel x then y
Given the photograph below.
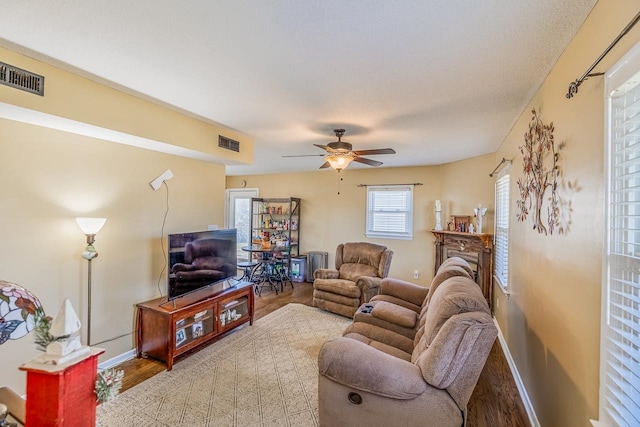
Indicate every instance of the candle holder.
{"type": "Point", "coordinates": [438, 226]}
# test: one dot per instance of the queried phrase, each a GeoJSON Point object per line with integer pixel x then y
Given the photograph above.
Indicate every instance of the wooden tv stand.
{"type": "Point", "coordinates": [170, 329]}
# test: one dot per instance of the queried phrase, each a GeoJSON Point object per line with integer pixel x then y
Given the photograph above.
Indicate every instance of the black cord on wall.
{"type": "Point", "coordinates": [164, 253]}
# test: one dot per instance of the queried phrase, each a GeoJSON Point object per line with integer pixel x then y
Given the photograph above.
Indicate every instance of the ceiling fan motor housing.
{"type": "Point", "coordinates": [340, 146]}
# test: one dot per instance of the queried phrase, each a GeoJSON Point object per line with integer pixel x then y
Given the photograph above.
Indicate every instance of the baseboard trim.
{"type": "Point", "coordinates": [114, 361]}
{"type": "Point", "coordinates": [533, 419]}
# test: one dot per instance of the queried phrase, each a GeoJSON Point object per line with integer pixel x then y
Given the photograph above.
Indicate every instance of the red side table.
{"type": "Point", "coordinates": [62, 395]}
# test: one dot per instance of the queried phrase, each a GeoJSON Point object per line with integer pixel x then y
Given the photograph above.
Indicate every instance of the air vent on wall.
{"type": "Point", "coordinates": [21, 79]}
{"type": "Point", "coordinates": [228, 143]}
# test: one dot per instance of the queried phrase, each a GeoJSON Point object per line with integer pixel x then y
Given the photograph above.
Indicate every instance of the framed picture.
{"type": "Point", "coordinates": [460, 223]}
{"type": "Point", "coordinates": [181, 336]}
{"type": "Point", "coordinates": [196, 329]}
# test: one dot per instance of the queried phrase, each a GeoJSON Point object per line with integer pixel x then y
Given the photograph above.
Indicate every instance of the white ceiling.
{"type": "Point", "coordinates": [437, 80]}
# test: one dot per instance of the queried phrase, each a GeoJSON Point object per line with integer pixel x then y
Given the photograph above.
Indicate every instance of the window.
{"type": "Point", "coordinates": [390, 211]}
{"type": "Point", "coordinates": [620, 330]}
{"type": "Point", "coordinates": [501, 232]}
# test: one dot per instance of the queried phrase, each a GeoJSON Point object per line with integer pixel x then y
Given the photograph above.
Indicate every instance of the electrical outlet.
{"type": "Point", "coordinates": [416, 274]}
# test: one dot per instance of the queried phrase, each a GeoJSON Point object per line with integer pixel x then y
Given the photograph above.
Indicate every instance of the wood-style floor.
{"type": "Point", "coordinates": [495, 401]}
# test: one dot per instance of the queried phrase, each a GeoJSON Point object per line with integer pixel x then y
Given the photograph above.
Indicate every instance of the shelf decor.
{"type": "Point", "coordinates": [108, 384]}
{"type": "Point", "coordinates": [541, 173]}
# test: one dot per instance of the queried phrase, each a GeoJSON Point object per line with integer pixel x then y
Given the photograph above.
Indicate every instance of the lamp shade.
{"type": "Point", "coordinates": [90, 226]}
{"type": "Point", "coordinates": [339, 161]}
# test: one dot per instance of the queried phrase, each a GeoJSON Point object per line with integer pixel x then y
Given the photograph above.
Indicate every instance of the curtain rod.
{"type": "Point", "coordinates": [382, 185]}
{"type": "Point", "coordinates": [573, 86]}
{"type": "Point", "coordinates": [498, 167]}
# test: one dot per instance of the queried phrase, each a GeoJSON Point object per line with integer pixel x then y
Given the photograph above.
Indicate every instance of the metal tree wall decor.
{"type": "Point", "coordinates": [541, 173]}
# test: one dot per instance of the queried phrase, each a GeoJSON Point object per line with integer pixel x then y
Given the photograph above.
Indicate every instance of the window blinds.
{"type": "Point", "coordinates": [501, 232]}
{"type": "Point", "coordinates": [620, 364]}
{"type": "Point", "coordinates": [390, 211]}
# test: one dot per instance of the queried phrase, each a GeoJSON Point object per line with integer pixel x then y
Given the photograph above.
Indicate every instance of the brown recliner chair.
{"type": "Point", "coordinates": [360, 267]}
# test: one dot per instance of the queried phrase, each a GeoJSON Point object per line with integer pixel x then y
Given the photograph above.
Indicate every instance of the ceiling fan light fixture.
{"type": "Point", "coordinates": [339, 161]}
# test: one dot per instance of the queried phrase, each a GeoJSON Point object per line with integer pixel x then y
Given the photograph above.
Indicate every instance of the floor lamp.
{"type": "Point", "coordinates": [90, 227]}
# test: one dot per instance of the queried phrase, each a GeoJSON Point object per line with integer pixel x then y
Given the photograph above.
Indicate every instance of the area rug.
{"type": "Point", "coordinates": [262, 375]}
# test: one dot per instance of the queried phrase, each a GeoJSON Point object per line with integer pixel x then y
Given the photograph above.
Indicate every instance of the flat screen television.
{"type": "Point", "coordinates": [200, 259]}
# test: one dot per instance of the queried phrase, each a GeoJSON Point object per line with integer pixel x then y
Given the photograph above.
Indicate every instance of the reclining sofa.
{"type": "Point", "coordinates": [412, 356]}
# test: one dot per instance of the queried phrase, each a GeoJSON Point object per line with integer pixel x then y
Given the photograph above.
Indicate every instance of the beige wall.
{"type": "Point", "coordinates": [465, 185]}
{"type": "Point", "coordinates": [551, 320]}
{"type": "Point", "coordinates": [50, 177]}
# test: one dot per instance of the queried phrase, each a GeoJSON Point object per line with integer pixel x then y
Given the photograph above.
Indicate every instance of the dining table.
{"type": "Point", "coordinates": [271, 269]}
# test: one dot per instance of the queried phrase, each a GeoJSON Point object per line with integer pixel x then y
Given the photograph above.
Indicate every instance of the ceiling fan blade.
{"type": "Point", "coordinates": [367, 161]}
{"type": "Point", "coordinates": [324, 165]}
{"type": "Point", "coordinates": [305, 155]}
{"type": "Point", "coordinates": [324, 147]}
{"type": "Point", "coordinates": [375, 151]}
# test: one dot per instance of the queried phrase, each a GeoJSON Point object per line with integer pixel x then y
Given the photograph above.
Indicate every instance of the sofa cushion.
{"type": "Point", "coordinates": [389, 316]}
{"type": "Point", "coordinates": [351, 362]}
{"type": "Point", "coordinates": [459, 262]}
{"type": "Point", "coordinates": [442, 275]}
{"type": "Point", "coordinates": [352, 271]}
{"type": "Point", "coordinates": [382, 335]}
{"type": "Point", "coordinates": [394, 314]}
{"type": "Point", "coordinates": [455, 295]}
{"type": "Point", "coordinates": [397, 301]}
{"type": "Point", "coordinates": [362, 253]}
{"type": "Point", "coordinates": [380, 346]}
{"type": "Point", "coordinates": [404, 291]}
{"type": "Point", "coordinates": [451, 349]}
{"type": "Point", "coordinates": [342, 287]}
{"type": "Point", "coordinates": [339, 299]}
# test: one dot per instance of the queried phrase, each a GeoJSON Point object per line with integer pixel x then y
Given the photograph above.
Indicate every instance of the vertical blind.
{"type": "Point", "coordinates": [620, 364]}
{"type": "Point", "coordinates": [390, 211]}
{"type": "Point", "coordinates": [501, 232]}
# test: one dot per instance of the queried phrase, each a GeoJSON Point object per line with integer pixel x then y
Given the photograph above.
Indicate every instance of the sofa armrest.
{"type": "Point", "coordinates": [357, 365]}
{"type": "Point", "coordinates": [406, 291]}
{"type": "Point", "coordinates": [368, 282]}
{"type": "Point", "coordinates": [326, 273]}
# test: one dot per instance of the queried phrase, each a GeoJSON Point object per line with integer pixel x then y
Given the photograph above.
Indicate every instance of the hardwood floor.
{"type": "Point", "coordinates": [495, 401]}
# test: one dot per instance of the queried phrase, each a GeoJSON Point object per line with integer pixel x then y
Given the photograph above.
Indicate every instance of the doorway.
{"type": "Point", "coordinates": [237, 215]}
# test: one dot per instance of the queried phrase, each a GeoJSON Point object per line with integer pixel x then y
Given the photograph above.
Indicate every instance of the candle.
{"type": "Point", "coordinates": [438, 206]}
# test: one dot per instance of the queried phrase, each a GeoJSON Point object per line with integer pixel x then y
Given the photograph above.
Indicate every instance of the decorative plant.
{"type": "Point", "coordinates": [541, 172]}
{"type": "Point", "coordinates": [41, 330]}
{"type": "Point", "coordinates": [108, 384]}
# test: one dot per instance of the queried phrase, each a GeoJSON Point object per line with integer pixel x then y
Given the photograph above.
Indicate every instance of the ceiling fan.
{"type": "Point", "coordinates": [340, 153]}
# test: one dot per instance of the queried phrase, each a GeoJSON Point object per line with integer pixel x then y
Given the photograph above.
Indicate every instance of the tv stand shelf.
{"type": "Point", "coordinates": [170, 329]}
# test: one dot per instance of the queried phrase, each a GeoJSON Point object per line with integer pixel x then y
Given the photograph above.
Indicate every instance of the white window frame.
{"type": "Point", "coordinates": [501, 228]}
{"type": "Point", "coordinates": [620, 327]}
{"type": "Point", "coordinates": [381, 212]}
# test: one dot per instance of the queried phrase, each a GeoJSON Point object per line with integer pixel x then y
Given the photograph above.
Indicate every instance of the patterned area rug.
{"type": "Point", "coordinates": [262, 375]}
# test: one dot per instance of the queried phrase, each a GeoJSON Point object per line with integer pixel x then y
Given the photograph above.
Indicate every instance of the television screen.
{"type": "Point", "coordinates": [200, 259]}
